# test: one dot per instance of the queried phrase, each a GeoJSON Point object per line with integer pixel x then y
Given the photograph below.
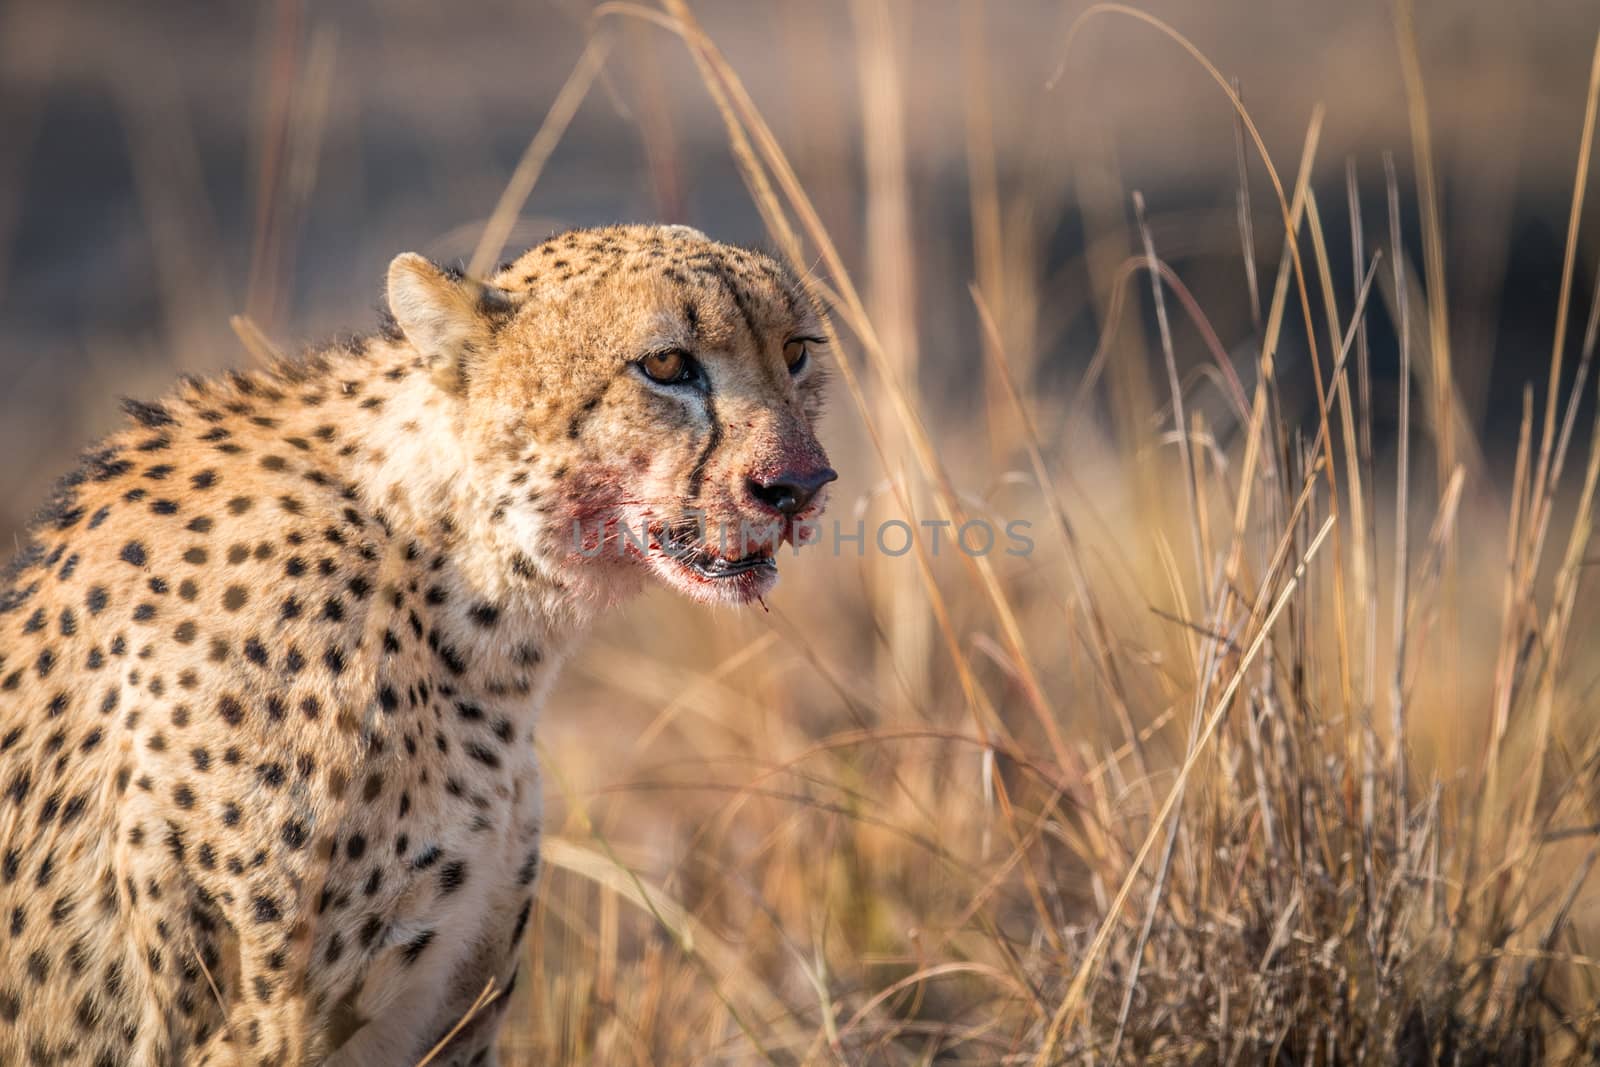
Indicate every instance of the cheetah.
{"type": "Point", "coordinates": [271, 659]}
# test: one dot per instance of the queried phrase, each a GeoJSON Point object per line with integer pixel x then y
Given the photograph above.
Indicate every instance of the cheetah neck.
{"type": "Point", "coordinates": [408, 459]}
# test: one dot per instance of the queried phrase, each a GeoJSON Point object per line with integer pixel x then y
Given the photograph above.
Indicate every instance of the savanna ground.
{"type": "Point", "coordinates": [1280, 747]}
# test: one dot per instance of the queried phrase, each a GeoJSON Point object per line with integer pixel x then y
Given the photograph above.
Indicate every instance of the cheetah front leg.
{"type": "Point", "coordinates": [407, 1011]}
{"type": "Point", "coordinates": [393, 1036]}
{"type": "Point", "coordinates": [275, 1034]}
{"type": "Point", "coordinates": [258, 970]}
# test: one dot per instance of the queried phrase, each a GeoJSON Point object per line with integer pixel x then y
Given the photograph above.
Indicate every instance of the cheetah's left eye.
{"type": "Point", "coordinates": [797, 350]}
{"type": "Point", "coordinates": [671, 366]}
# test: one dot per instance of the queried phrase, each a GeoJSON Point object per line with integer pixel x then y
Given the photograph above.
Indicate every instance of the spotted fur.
{"type": "Point", "coordinates": [271, 658]}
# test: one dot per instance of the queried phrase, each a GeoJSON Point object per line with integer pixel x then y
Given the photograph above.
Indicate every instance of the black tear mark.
{"type": "Point", "coordinates": [713, 440]}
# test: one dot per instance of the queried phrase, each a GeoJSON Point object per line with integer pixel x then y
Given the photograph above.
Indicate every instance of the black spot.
{"type": "Point", "coordinates": [265, 908]}
{"type": "Point", "coordinates": [294, 834]}
{"type": "Point", "coordinates": [388, 698]}
{"type": "Point", "coordinates": [152, 416]}
{"type": "Point", "coordinates": [452, 876]}
{"type": "Point", "coordinates": [356, 847]}
{"type": "Point", "coordinates": [521, 925]}
{"type": "Point", "coordinates": [416, 945]}
{"type": "Point", "coordinates": [333, 659]}
{"type": "Point", "coordinates": [484, 614]}
{"type": "Point", "coordinates": [134, 553]}
{"type": "Point", "coordinates": [452, 659]}
{"type": "Point", "coordinates": [483, 755]}
{"type": "Point", "coordinates": [230, 709]}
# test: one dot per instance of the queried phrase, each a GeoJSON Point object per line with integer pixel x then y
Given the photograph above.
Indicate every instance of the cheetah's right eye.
{"type": "Point", "coordinates": [671, 366]}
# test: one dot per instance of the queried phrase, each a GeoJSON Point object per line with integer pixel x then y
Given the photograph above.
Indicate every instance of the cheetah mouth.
{"type": "Point", "coordinates": [686, 549]}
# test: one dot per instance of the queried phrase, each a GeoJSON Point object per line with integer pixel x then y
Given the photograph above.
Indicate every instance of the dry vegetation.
{"type": "Point", "coordinates": [1276, 750]}
{"type": "Point", "coordinates": [1280, 748]}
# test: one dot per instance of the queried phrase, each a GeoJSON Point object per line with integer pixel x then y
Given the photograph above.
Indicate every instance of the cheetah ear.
{"type": "Point", "coordinates": [448, 318]}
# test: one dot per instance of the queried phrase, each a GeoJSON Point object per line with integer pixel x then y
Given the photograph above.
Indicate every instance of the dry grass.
{"type": "Point", "coordinates": [1281, 746]}
{"type": "Point", "coordinates": [1275, 750]}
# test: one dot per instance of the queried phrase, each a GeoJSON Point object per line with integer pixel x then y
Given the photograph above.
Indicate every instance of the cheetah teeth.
{"type": "Point", "coordinates": [709, 564]}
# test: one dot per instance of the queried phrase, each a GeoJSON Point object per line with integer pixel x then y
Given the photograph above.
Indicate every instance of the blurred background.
{"type": "Point", "coordinates": [164, 167]}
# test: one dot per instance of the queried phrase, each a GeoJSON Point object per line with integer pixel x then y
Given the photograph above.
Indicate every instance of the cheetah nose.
{"type": "Point", "coordinates": [788, 492]}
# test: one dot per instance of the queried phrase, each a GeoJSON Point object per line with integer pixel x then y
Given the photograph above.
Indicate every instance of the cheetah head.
{"type": "Point", "coordinates": [635, 401]}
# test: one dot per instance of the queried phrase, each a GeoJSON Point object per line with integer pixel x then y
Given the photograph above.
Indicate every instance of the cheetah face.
{"type": "Point", "coordinates": [642, 402]}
